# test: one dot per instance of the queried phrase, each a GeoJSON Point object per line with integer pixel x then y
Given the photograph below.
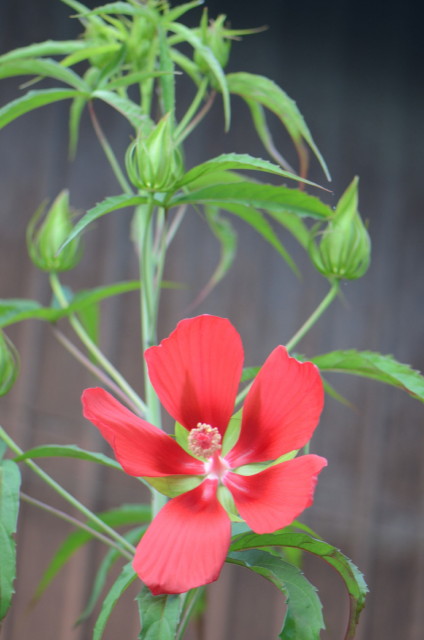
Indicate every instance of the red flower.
{"type": "Point", "coordinates": [196, 373]}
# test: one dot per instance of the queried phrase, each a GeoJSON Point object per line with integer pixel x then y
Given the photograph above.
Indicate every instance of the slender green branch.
{"type": "Point", "coordinates": [93, 349]}
{"type": "Point", "coordinates": [197, 119]}
{"type": "Point", "coordinates": [90, 366]}
{"type": "Point", "coordinates": [75, 522]}
{"type": "Point", "coordinates": [324, 304]}
{"type": "Point", "coordinates": [108, 151]}
{"type": "Point", "coordinates": [314, 316]}
{"type": "Point", "coordinates": [66, 495]}
{"type": "Point", "coordinates": [191, 599]}
{"type": "Point", "coordinates": [189, 114]}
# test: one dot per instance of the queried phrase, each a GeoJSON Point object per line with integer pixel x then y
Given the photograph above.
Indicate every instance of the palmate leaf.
{"type": "Point", "coordinates": [159, 615]}
{"type": "Point", "coordinates": [262, 90]}
{"type": "Point", "coordinates": [125, 515]}
{"type": "Point", "coordinates": [303, 620]}
{"type": "Point", "coordinates": [376, 366]}
{"type": "Point", "coordinates": [33, 100]}
{"type": "Point", "coordinates": [124, 580]}
{"type": "Point", "coordinates": [261, 196]}
{"type": "Point", "coordinates": [10, 481]}
{"type": "Point", "coordinates": [350, 574]}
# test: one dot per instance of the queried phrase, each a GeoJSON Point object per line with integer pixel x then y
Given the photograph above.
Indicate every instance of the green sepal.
{"type": "Point", "coordinates": [172, 486]}
{"type": "Point", "coordinates": [232, 433]}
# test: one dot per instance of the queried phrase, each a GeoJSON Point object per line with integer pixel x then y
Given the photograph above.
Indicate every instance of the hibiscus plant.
{"type": "Point", "coordinates": [230, 482]}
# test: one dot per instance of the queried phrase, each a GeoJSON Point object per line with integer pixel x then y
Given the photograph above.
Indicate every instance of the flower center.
{"type": "Point", "coordinates": [204, 440]}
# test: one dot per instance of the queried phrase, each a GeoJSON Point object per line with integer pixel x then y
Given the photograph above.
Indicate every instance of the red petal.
{"type": "Point", "coordinates": [281, 410]}
{"type": "Point", "coordinates": [273, 498]}
{"type": "Point", "coordinates": [196, 371]}
{"type": "Point", "coordinates": [186, 544]}
{"type": "Point", "coordinates": [141, 448]}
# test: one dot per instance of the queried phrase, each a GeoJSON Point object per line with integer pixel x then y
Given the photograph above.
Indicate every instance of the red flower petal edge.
{"type": "Point", "coordinates": [186, 544]}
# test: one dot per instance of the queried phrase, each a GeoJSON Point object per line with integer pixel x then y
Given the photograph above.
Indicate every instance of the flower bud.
{"type": "Point", "coordinates": [214, 36]}
{"type": "Point", "coordinates": [44, 239]}
{"type": "Point", "coordinates": [345, 248]}
{"type": "Point", "coordinates": [9, 364]}
{"type": "Point", "coordinates": [153, 162]}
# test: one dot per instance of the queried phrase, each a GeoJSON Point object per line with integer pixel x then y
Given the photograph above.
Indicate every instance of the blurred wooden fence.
{"type": "Point", "coordinates": [365, 109]}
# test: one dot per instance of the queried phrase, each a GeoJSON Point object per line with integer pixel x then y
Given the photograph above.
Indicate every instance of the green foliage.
{"type": "Point", "coordinates": [350, 574]}
{"type": "Point", "coordinates": [33, 100]}
{"type": "Point", "coordinates": [376, 366]}
{"type": "Point", "coordinates": [159, 615]}
{"type": "Point", "coordinates": [303, 619]}
{"type": "Point", "coordinates": [68, 451]}
{"type": "Point", "coordinates": [124, 580]}
{"type": "Point", "coordinates": [10, 480]}
{"type": "Point", "coordinates": [9, 364]}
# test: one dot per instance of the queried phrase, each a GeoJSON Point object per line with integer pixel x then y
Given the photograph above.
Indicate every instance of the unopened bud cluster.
{"type": "Point", "coordinates": [46, 234]}
{"type": "Point", "coordinates": [214, 36]}
{"type": "Point", "coordinates": [344, 249]}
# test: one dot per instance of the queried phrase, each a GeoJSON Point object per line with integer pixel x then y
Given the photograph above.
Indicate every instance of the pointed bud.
{"type": "Point", "coordinates": [153, 162]}
{"type": "Point", "coordinates": [44, 238]}
{"type": "Point", "coordinates": [213, 35]}
{"type": "Point", "coordinates": [345, 248]}
{"type": "Point", "coordinates": [9, 364]}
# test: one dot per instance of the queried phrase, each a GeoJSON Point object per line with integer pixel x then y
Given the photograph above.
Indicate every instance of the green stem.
{"type": "Point", "coordinates": [67, 496]}
{"type": "Point", "coordinates": [306, 326]}
{"type": "Point", "coordinates": [75, 523]}
{"type": "Point", "coordinates": [93, 349]}
{"type": "Point", "coordinates": [196, 120]}
{"type": "Point", "coordinates": [108, 151]}
{"type": "Point", "coordinates": [150, 269]}
{"type": "Point", "coordinates": [189, 114]}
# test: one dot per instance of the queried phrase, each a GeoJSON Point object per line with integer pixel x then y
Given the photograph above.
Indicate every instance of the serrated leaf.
{"type": "Point", "coordinates": [126, 514]}
{"type": "Point", "coordinates": [303, 620]}
{"type": "Point", "coordinates": [45, 68]}
{"type": "Point", "coordinates": [262, 196]}
{"type": "Point", "coordinates": [159, 615]}
{"type": "Point", "coordinates": [376, 366]}
{"type": "Point", "coordinates": [10, 482]}
{"type": "Point", "coordinates": [47, 48]}
{"type": "Point", "coordinates": [264, 91]}
{"type": "Point", "coordinates": [88, 52]}
{"type": "Point", "coordinates": [68, 451]}
{"type": "Point", "coordinates": [215, 68]}
{"type": "Point", "coordinates": [295, 225]}
{"type": "Point", "coordinates": [123, 8]}
{"type": "Point", "coordinates": [75, 113]}
{"type": "Point", "coordinates": [33, 100]}
{"type": "Point", "coordinates": [176, 12]}
{"type": "Point", "coordinates": [108, 205]}
{"type": "Point", "coordinates": [125, 579]}
{"type": "Point", "coordinates": [238, 161]}
{"type": "Point", "coordinates": [129, 109]}
{"type": "Point", "coordinates": [350, 574]}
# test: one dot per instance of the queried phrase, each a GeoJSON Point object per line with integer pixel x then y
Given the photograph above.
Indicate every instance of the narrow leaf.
{"type": "Point", "coordinates": [167, 79]}
{"type": "Point", "coordinates": [238, 161]}
{"type": "Point", "coordinates": [47, 48]}
{"type": "Point", "coordinates": [376, 366]}
{"type": "Point", "coordinates": [262, 196]}
{"type": "Point", "coordinates": [32, 100]}
{"type": "Point", "coordinates": [125, 579]}
{"type": "Point", "coordinates": [132, 111]}
{"type": "Point", "coordinates": [303, 620]}
{"type": "Point", "coordinates": [159, 615]}
{"type": "Point", "coordinates": [260, 89]}
{"type": "Point", "coordinates": [45, 68]}
{"type": "Point", "coordinates": [68, 451]}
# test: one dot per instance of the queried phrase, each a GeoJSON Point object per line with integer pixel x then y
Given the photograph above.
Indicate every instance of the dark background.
{"type": "Point", "coordinates": [355, 71]}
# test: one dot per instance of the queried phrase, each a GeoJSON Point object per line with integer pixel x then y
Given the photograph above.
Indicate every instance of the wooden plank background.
{"type": "Point", "coordinates": [355, 76]}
